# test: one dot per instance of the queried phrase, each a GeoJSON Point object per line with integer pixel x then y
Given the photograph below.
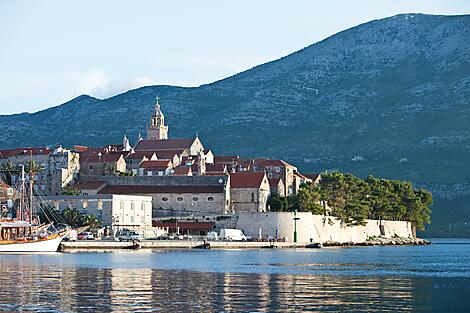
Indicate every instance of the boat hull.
{"type": "Point", "coordinates": [49, 245]}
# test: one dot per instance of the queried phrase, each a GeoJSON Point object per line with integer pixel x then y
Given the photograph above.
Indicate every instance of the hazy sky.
{"type": "Point", "coordinates": [52, 51]}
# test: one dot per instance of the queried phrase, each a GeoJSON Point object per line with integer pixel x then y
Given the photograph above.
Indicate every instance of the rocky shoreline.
{"type": "Point", "coordinates": [397, 241]}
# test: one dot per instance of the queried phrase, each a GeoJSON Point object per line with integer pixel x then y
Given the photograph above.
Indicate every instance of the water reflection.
{"type": "Point", "coordinates": [132, 282]}
{"type": "Point", "coordinates": [28, 287]}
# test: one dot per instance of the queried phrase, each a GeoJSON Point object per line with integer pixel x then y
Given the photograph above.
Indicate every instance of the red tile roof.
{"type": "Point", "coordinates": [246, 180]}
{"type": "Point", "coordinates": [104, 158]}
{"type": "Point", "coordinates": [139, 155]}
{"type": "Point", "coordinates": [182, 171]}
{"type": "Point", "coordinates": [137, 189]}
{"type": "Point", "coordinates": [165, 144]}
{"type": "Point", "coordinates": [168, 154]}
{"type": "Point", "coordinates": [274, 182]}
{"type": "Point", "coordinates": [302, 176]}
{"type": "Point", "coordinates": [265, 162]}
{"type": "Point", "coordinates": [313, 176]}
{"type": "Point", "coordinates": [23, 151]}
{"type": "Point", "coordinates": [226, 159]}
{"type": "Point", "coordinates": [158, 165]}
{"type": "Point", "coordinates": [220, 168]}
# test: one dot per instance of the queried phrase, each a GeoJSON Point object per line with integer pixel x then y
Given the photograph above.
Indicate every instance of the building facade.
{"type": "Point", "coordinates": [114, 211]}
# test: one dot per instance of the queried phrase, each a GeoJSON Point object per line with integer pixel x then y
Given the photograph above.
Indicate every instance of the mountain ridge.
{"type": "Point", "coordinates": [388, 97]}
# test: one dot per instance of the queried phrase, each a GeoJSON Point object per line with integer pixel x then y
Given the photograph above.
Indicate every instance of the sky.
{"type": "Point", "coordinates": [53, 50]}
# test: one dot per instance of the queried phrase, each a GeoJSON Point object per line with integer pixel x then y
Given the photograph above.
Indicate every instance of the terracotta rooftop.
{"type": "Point", "coordinates": [264, 162]}
{"type": "Point", "coordinates": [246, 180]}
{"type": "Point", "coordinates": [158, 165]}
{"type": "Point", "coordinates": [226, 159]}
{"type": "Point", "coordinates": [221, 168]}
{"type": "Point", "coordinates": [274, 182]}
{"type": "Point", "coordinates": [139, 155]}
{"type": "Point", "coordinates": [23, 151]}
{"type": "Point", "coordinates": [302, 176]}
{"type": "Point", "coordinates": [104, 158]}
{"type": "Point", "coordinates": [137, 189]}
{"type": "Point", "coordinates": [313, 176]}
{"type": "Point", "coordinates": [182, 171]}
{"type": "Point", "coordinates": [165, 144]}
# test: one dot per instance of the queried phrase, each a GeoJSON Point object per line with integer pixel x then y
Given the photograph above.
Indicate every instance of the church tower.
{"type": "Point", "coordinates": [157, 129]}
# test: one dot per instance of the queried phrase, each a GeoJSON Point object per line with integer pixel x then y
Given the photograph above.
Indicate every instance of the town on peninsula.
{"type": "Point", "coordinates": [159, 187]}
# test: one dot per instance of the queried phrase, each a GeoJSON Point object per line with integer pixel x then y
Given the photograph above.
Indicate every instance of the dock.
{"type": "Point", "coordinates": [174, 244]}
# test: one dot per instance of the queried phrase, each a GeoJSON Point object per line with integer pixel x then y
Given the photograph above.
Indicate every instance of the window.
{"type": "Point", "coordinates": [164, 199]}
{"type": "Point", "coordinates": [252, 197]}
{"type": "Point", "coordinates": [132, 218]}
{"type": "Point", "coordinates": [195, 199]}
{"type": "Point", "coordinates": [270, 175]}
{"type": "Point", "coordinates": [142, 206]}
{"type": "Point", "coordinates": [210, 199]}
{"type": "Point", "coordinates": [179, 198]}
{"type": "Point", "coordinates": [90, 167]}
{"type": "Point", "coordinates": [132, 205]}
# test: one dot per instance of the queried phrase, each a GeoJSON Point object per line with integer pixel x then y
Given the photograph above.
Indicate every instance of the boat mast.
{"type": "Point", "coordinates": [21, 208]}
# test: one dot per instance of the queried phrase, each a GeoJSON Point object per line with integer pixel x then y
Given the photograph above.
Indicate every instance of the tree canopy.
{"type": "Point", "coordinates": [354, 200]}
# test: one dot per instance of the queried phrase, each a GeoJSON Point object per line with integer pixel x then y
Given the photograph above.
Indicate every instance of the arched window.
{"type": "Point", "coordinates": [179, 198]}
{"type": "Point", "coordinates": [165, 199]}
{"type": "Point", "coordinates": [195, 199]}
{"type": "Point", "coordinates": [210, 199]}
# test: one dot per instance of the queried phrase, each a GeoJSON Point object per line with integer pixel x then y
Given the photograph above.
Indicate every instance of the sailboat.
{"type": "Point", "coordinates": [24, 231]}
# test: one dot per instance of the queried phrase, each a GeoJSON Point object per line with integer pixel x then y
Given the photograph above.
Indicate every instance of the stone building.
{"type": "Point", "coordinates": [54, 169]}
{"type": "Point", "coordinates": [277, 186]}
{"type": "Point", "coordinates": [157, 129]}
{"type": "Point", "coordinates": [63, 167]}
{"type": "Point", "coordinates": [155, 168]}
{"type": "Point", "coordinates": [114, 211]}
{"type": "Point", "coordinates": [175, 195]}
{"type": "Point", "coordinates": [101, 164]}
{"type": "Point", "coordinates": [249, 192]}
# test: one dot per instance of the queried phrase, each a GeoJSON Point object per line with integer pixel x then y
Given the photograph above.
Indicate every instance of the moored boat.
{"type": "Point", "coordinates": [20, 224]}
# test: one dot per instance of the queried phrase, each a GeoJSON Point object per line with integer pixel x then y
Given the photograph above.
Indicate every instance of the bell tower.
{"type": "Point", "coordinates": [157, 129]}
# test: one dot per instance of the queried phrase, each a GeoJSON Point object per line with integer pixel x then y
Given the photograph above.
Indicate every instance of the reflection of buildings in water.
{"type": "Point", "coordinates": [84, 288]}
{"type": "Point", "coordinates": [74, 289]}
{"type": "Point", "coordinates": [248, 291]}
{"type": "Point", "coordinates": [185, 291]}
{"type": "Point", "coordinates": [131, 288]}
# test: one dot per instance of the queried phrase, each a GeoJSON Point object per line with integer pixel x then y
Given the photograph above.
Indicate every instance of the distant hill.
{"type": "Point", "coordinates": [389, 98]}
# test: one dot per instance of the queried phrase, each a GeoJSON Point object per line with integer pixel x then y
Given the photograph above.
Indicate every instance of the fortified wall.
{"type": "Point", "coordinates": [313, 228]}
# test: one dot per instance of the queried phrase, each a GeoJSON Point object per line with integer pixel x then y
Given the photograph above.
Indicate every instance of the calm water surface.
{"type": "Point", "coordinates": [432, 278]}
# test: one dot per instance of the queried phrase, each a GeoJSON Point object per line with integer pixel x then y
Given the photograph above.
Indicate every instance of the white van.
{"type": "Point", "coordinates": [232, 234]}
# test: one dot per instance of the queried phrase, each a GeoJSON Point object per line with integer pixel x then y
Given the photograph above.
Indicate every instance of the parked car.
{"type": "Point", "coordinates": [212, 235]}
{"type": "Point", "coordinates": [128, 235]}
{"type": "Point", "coordinates": [232, 234]}
{"type": "Point", "coordinates": [86, 235]}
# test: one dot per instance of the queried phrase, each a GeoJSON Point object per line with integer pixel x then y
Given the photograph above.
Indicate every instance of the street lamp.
{"type": "Point", "coordinates": [295, 225]}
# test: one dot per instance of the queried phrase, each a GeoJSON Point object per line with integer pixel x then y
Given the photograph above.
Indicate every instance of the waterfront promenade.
{"type": "Point", "coordinates": [190, 244]}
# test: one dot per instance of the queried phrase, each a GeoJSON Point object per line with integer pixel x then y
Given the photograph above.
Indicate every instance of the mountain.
{"type": "Point", "coordinates": [390, 98]}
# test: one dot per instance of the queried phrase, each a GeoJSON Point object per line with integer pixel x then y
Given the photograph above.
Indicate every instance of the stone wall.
{"type": "Point", "coordinates": [189, 203]}
{"type": "Point", "coordinates": [312, 227]}
{"type": "Point", "coordinates": [249, 199]}
{"type": "Point", "coordinates": [162, 180]}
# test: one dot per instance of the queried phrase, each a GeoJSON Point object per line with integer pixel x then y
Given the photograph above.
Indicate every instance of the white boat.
{"type": "Point", "coordinates": [39, 245]}
{"type": "Point", "coordinates": [24, 233]}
